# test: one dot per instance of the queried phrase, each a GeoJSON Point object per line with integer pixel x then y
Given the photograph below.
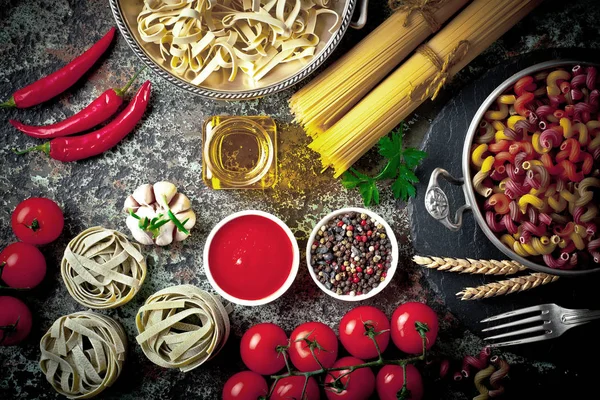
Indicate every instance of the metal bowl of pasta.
{"type": "Point", "coordinates": [531, 163]}
{"type": "Point", "coordinates": [235, 49]}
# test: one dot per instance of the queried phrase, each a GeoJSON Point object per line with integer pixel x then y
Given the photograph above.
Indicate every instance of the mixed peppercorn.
{"type": "Point", "coordinates": [351, 254]}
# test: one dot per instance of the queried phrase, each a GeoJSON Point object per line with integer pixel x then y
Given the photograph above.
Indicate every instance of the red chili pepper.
{"type": "Point", "coordinates": [94, 114]}
{"type": "Point", "coordinates": [59, 81]}
{"type": "Point", "coordinates": [91, 144]}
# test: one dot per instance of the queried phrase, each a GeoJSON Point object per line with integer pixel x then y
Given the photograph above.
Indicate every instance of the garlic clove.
{"type": "Point", "coordinates": [130, 205]}
{"type": "Point", "coordinates": [180, 203]}
{"type": "Point", "coordinates": [144, 195]}
{"type": "Point", "coordinates": [182, 216]}
{"type": "Point", "coordinates": [139, 235]}
{"type": "Point", "coordinates": [164, 193]}
{"type": "Point", "coordinates": [165, 235]}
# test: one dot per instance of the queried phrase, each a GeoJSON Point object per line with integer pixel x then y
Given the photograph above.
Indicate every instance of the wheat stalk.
{"type": "Point", "coordinates": [470, 266]}
{"type": "Point", "coordinates": [508, 286]}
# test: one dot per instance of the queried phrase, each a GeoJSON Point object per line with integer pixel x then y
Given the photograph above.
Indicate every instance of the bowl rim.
{"type": "Point", "coordinates": [466, 167]}
{"type": "Point", "coordinates": [273, 296]}
{"type": "Point", "coordinates": [390, 272]}
{"type": "Point", "coordinates": [300, 75]}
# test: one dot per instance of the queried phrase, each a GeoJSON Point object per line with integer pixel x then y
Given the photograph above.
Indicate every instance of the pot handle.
{"type": "Point", "coordinates": [362, 17]}
{"type": "Point", "coordinates": [436, 201]}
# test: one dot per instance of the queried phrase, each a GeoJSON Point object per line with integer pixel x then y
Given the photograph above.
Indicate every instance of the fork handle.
{"type": "Point", "coordinates": [579, 316]}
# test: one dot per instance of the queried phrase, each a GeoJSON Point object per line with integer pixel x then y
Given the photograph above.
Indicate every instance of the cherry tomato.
{"type": "Point", "coordinates": [404, 333]}
{"type": "Point", "coordinates": [291, 388]}
{"type": "Point", "coordinates": [259, 348]}
{"type": "Point", "coordinates": [37, 220]}
{"type": "Point", "coordinates": [22, 266]}
{"type": "Point", "coordinates": [353, 333]}
{"type": "Point", "coordinates": [390, 380]}
{"type": "Point", "coordinates": [359, 384]}
{"type": "Point", "coordinates": [245, 385]}
{"type": "Point", "coordinates": [300, 352]}
{"type": "Point", "coordinates": [15, 321]}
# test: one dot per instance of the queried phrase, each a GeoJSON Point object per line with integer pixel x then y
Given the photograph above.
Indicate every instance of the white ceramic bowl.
{"type": "Point", "coordinates": [287, 283]}
{"type": "Point", "coordinates": [390, 272]}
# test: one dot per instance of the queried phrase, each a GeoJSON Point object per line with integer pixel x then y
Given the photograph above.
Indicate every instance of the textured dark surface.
{"type": "Point", "coordinates": [37, 37]}
{"type": "Point", "coordinates": [429, 237]}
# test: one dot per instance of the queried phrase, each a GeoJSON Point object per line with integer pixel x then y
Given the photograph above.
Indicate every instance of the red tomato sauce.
{"type": "Point", "coordinates": [250, 257]}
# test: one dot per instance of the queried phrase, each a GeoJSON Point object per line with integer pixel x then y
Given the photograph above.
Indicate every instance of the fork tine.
{"type": "Point", "coordinates": [536, 328]}
{"type": "Point", "coordinates": [514, 312]}
{"type": "Point", "coordinates": [538, 338]}
{"type": "Point", "coordinates": [535, 318]}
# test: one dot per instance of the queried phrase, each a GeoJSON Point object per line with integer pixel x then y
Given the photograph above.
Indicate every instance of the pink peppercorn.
{"type": "Point", "coordinates": [340, 223]}
{"type": "Point", "coordinates": [355, 280]}
{"type": "Point", "coordinates": [358, 293]}
{"type": "Point", "coordinates": [379, 266]}
{"type": "Point", "coordinates": [359, 269]}
{"type": "Point", "coordinates": [384, 274]}
{"type": "Point", "coordinates": [363, 222]}
{"type": "Point", "coordinates": [364, 238]}
{"type": "Point", "coordinates": [369, 233]}
{"type": "Point", "coordinates": [369, 271]}
{"type": "Point", "coordinates": [343, 268]}
{"type": "Point", "coordinates": [350, 228]}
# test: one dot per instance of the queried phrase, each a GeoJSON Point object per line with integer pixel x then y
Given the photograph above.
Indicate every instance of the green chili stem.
{"type": "Point", "coordinates": [121, 91]}
{"type": "Point", "coordinates": [45, 147]}
{"type": "Point", "coordinates": [10, 103]}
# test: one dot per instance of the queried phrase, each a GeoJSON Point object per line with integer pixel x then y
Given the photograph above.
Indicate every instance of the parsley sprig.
{"type": "Point", "coordinates": [401, 163]}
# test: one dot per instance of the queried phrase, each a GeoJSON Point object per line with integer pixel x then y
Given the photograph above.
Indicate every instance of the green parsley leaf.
{"type": "Point", "coordinates": [400, 165]}
{"type": "Point", "coordinates": [349, 180]}
{"type": "Point", "coordinates": [366, 191]}
{"type": "Point", "coordinates": [412, 157]}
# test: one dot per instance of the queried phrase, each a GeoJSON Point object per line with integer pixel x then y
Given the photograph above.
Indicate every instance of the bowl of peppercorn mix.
{"type": "Point", "coordinates": [352, 254]}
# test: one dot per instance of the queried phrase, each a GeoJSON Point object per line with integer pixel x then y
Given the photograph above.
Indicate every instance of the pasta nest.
{"type": "Point", "coordinates": [83, 354]}
{"type": "Point", "coordinates": [182, 327]}
{"type": "Point", "coordinates": [102, 269]}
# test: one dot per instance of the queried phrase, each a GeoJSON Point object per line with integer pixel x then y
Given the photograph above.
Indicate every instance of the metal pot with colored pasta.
{"type": "Point", "coordinates": [531, 156]}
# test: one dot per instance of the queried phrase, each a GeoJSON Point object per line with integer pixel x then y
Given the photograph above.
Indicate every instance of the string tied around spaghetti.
{"type": "Point", "coordinates": [432, 86]}
{"type": "Point", "coordinates": [424, 7]}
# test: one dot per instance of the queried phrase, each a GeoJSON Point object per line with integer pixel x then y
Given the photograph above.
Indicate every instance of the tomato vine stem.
{"type": "Point", "coordinates": [420, 327]}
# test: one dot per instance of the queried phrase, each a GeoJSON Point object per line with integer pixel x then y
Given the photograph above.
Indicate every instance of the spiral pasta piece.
{"type": "Point", "coordinates": [83, 354]}
{"type": "Point", "coordinates": [182, 327]}
{"type": "Point", "coordinates": [102, 269]}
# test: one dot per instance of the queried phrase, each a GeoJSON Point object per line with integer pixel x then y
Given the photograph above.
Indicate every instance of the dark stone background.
{"type": "Point", "coordinates": [37, 37]}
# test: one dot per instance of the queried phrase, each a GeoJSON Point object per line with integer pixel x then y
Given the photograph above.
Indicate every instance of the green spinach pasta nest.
{"type": "Point", "coordinates": [83, 354]}
{"type": "Point", "coordinates": [102, 269]}
{"type": "Point", "coordinates": [182, 327]}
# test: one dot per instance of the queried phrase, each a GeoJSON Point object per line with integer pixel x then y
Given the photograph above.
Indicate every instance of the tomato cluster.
{"type": "Point", "coordinates": [35, 221]}
{"type": "Point", "coordinates": [265, 349]}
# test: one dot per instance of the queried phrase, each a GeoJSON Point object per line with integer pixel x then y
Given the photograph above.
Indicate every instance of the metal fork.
{"type": "Point", "coordinates": [551, 319]}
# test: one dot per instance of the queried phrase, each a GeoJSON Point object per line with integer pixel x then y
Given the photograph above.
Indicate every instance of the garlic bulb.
{"type": "Point", "coordinates": [157, 214]}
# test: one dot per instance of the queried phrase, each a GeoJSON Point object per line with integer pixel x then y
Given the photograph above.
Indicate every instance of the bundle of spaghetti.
{"type": "Point", "coordinates": [322, 102]}
{"type": "Point", "coordinates": [418, 78]}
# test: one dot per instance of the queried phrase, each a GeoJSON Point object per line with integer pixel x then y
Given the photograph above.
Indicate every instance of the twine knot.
{"type": "Point", "coordinates": [433, 85]}
{"type": "Point", "coordinates": [424, 7]}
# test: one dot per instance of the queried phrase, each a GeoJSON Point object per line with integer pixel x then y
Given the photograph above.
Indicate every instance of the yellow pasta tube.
{"type": "Point", "coordinates": [477, 155]}
{"type": "Point", "coordinates": [513, 119]}
{"type": "Point", "coordinates": [530, 199]}
{"type": "Point", "coordinates": [552, 88]}
{"type": "Point", "coordinates": [565, 124]}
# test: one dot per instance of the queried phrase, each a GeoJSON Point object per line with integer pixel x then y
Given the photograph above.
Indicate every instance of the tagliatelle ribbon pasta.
{"type": "Point", "coordinates": [182, 327]}
{"type": "Point", "coordinates": [199, 37]}
{"type": "Point", "coordinates": [102, 269]}
{"type": "Point", "coordinates": [83, 354]}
